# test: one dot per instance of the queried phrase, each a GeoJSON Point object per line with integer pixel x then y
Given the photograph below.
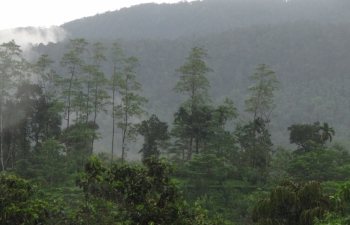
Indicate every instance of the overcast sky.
{"type": "Point", "coordinates": [45, 13]}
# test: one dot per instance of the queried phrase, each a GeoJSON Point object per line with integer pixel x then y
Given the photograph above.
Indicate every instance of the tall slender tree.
{"type": "Point", "coordinates": [261, 103]}
{"type": "Point", "coordinates": [46, 75]}
{"type": "Point", "coordinates": [11, 68]}
{"type": "Point", "coordinates": [255, 138]}
{"type": "Point", "coordinates": [47, 118]}
{"type": "Point", "coordinates": [70, 86]}
{"type": "Point", "coordinates": [73, 61]}
{"type": "Point", "coordinates": [193, 83]}
{"type": "Point", "coordinates": [117, 59]}
{"type": "Point", "coordinates": [100, 96]}
{"type": "Point", "coordinates": [131, 104]}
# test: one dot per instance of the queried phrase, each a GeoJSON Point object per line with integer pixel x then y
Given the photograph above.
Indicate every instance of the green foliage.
{"type": "Point", "coordinates": [307, 91]}
{"type": "Point", "coordinates": [261, 103]}
{"type": "Point", "coordinates": [12, 66]}
{"type": "Point", "coordinates": [339, 202]}
{"type": "Point", "coordinates": [192, 127]}
{"type": "Point", "coordinates": [131, 104]}
{"type": "Point", "coordinates": [117, 58]}
{"type": "Point", "coordinates": [327, 132]}
{"type": "Point", "coordinates": [192, 81]}
{"type": "Point", "coordinates": [301, 133]}
{"type": "Point", "coordinates": [17, 205]}
{"type": "Point", "coordinates": [141, 195]}
{"type": "Point", "coordinates": [155, 135]}
{"type": "Point", "coordinates": [280, 161]}
{"type": "Point", "coordinates": [255, 147]}
{"type": "Point", "coordinates": [218, 139]}
{"type": "Point", "coordinates": [200, 128]}
{"type": "Point", "coordinates": [98, 95]}
{"type": "Point", "coordinates": [332, 219]}
{"type": "Point", "coordinates": [47, 77]}
{"type": "Point", "coordinates": [45, 166]}
{"type": "Point", "coordinates": [76, 138]}
{"type": "Point", "coordinates": [319, 163]}
{"type": "Point", "coordinates": [292, 203]}
{"type": "Point", "coordinates": [28, 120]}
{"type": "Point", "coordinates": [192, 116]}
{"type": "Point", "coordinates": [206, 169]}
{"type": "Point", "coordinates": [230, 165]}
{"type": "Point", "coordinates": [254, 137]}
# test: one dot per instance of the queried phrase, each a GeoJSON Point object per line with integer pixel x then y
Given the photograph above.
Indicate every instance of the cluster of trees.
{"type": "Point", "coordinates": [53, 111]}
{"type": "Point", "coordinates": [120, 194]}
{"type": "Point", "coordinates": [221, 164]}
{"type": "Point", "coordinates": [124, 194]}
{"type": "Point", "coordinates": [80, 95]}
{"type": "Point", "coordinates": [313, 74]}
{"type": "Point", "coordinates": [35, 100]}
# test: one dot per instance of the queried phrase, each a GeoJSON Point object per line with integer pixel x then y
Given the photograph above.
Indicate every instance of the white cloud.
{"type": "Point", "coordinates": [26, 37]}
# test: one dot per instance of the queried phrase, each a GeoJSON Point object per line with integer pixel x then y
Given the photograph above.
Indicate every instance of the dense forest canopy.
{"type": "Point", "coordinates": [202, 112]}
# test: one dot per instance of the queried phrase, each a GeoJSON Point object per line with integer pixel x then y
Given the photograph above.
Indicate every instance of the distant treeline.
{"type": "Point", "coordinates": [203, 17]}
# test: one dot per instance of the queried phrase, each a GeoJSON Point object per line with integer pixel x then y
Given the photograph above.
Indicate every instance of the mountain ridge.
{"type": "Point", "coordinates": [181, 19]}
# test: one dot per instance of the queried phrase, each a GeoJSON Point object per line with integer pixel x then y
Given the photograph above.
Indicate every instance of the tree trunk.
{"type": "Point", "coordinates": [1, 136]}
{"type": "Point", "coordinates": [113, 93]}
{"type": "Point", "coordinates": [189, 156]}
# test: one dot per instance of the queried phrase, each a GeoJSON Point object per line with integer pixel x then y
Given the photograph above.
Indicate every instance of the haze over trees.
{"type": "Point", "coordinates": [183, 19]}
{"type": "Point", "coordinates": [209, 112]}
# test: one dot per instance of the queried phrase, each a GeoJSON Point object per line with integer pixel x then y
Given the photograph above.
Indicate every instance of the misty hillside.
{"type": "Point", "coordinates": [311, 61]}
{"type": "Point", "coordinates": [309, 51]}
{"type": "Point", "coordinates": [235, 96]}
{"type": "Point", "coordinates": [204, 17]}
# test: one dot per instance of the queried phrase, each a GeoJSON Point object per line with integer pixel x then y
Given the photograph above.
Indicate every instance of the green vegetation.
{"type": "Point", "coordinates": [292, 203]}
{"type": "Point", "coordinates": [231, 139]}
{"type": "Point", "coordinates": [225, 170]}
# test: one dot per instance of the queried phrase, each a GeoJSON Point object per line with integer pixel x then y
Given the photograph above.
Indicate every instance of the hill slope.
{"type": "Point", "coordinates": [203, 17]}
{"type": "Point", "coordinates": [310, 59]}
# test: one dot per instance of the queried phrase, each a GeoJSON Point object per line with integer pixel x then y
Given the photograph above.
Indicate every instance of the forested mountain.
{"type": "Point", "coordinates": [245, 102]}
{"type": "Point", "coordinates": [204, 17]}
{"type": "Point", "coordinates": [310, 60]}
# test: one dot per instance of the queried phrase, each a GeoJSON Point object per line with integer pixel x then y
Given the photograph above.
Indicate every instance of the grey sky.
{"type": "Point", "coordinates": [45, 13]}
